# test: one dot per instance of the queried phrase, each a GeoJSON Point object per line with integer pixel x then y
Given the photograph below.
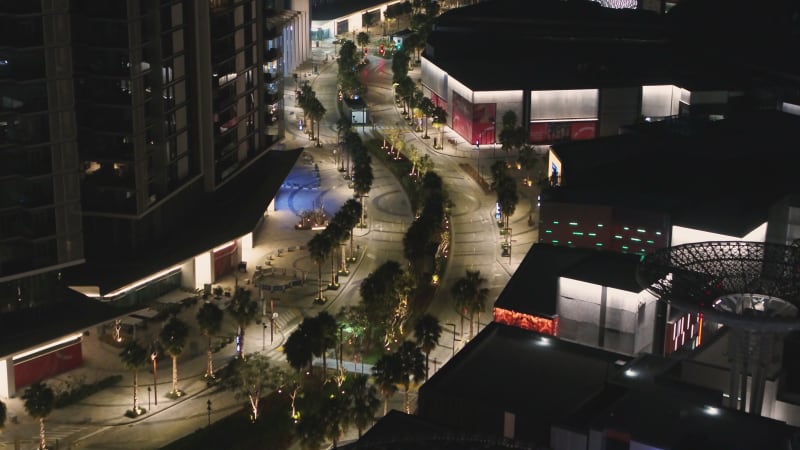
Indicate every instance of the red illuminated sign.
{"type": "Point", "coordinates": [550, 132]}
{"type": "Point", "coordinates": [543, 325]}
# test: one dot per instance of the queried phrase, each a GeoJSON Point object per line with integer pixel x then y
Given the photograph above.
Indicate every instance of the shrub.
{"type": "Point", "coordinates": [83, 390]}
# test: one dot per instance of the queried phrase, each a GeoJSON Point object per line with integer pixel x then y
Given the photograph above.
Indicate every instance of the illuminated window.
{"type": "Point", "coordinates": [555, 222]}
{"type": "Point", "coordinates": [548, 231]}
{"type": "Point", "coordinates": [624, 247]}
{"type": "Point", "coordinates": [555, 241]}
{"type": "Point", "coordinates": [650, 241]}
{"type": "Point", "coordinates": [626, 228]}
{"type": "Point", "coordinates": [599, 244]}
{"type": "Point", "coordinates": [658, 233]}
{"type": "Point", "coordinates": [616, 236]}
{"type": "Point", "coordinates": [640, 230]}
{"type": "Point", "coordinates": [636, 239]}
{"type": "Point", "coordinates": [573, 224]}
{"type": "Point", "coordinates": [600, 225]}
{"type": "Point", "coordinates": [592, 234]}
{"type": "Point", "coordinates": [577, 233]}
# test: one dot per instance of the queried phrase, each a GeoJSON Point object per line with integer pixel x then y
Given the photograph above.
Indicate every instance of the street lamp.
{"type": "Point", "coordinates": [208, 407]}
{"type": "Point", "coordinates": [263, 334]}
{"type": "Point", "coordinates": [153, 357]}
{"type": "Point", "coordinates": [454, 336]}
{"type": "Point", "coordinates": [494, 135]}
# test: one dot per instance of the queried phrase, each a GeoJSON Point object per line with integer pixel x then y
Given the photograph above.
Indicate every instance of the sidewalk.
{"type": "Point", "coordinates": [277, 244]}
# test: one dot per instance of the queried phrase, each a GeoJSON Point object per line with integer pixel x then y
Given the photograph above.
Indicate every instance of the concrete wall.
{"type": "Point", "coordinates": [605, 317]}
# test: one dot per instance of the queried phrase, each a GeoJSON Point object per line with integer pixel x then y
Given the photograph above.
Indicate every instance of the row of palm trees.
{"type": "Point", "coordinates": [312, 108]}
{"type": "Point", "coordinates": [331, 239]}
{"type": "Point", "coordinates": [505, 186]}
{"type": "Point", "coordinates": [415, 104]}
{"type": "Point", "coordinates": [174, 334]}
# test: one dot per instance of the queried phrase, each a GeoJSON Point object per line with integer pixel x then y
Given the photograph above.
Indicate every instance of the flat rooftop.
{"type": "Point", "coordinates": [506, 367]}
{"type": "Point", "coordinates": [722, 176]}
{"type": "Point", "coordinates": [533, 289]}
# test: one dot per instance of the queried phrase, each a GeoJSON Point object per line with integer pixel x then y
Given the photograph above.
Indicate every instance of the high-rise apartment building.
{"type": "Point", "coordinates": [40, 213]}
{"type": "Point", "coordinates": [119, 117]}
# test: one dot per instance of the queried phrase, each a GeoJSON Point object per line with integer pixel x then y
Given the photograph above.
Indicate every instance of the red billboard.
{"type": "Point", "coordinates": [550, 132]}
{"type": "Point", "coordinates": [475, 123]}
{"type": "Point", "coordinates": [48, 365]}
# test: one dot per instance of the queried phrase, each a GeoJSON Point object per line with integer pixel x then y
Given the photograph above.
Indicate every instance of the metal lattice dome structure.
{"type": "Point", "coordinates": [746, 285]}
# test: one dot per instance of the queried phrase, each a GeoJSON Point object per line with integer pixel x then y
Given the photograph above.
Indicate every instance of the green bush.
{"type": "Point", "coordinates": [84, 390]}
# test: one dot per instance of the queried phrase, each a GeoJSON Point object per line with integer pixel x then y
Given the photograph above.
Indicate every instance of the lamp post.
{"type": "Point", "coordinates": [341, 347]}
{"type": "Point", "coordinates": [148, 397]}
{"type": "Point", "coordinates": [494, 135]}
{"type": "Point", "coordinates": [153, 357]}
{"type": "Point", "coordinates": [454, 336]}
{"type": "Point", "coordinates": [208, 408]}
{"type": "Point", "coordinates": [263, 335]}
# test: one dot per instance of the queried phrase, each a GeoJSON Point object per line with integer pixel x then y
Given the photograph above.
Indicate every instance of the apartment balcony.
{"type": "Point", "coordinates": [24, 161]}
{"type": "Point", "coordinates": [108, 200]}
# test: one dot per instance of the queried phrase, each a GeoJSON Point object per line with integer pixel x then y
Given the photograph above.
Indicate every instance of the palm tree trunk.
{"type": "Point", "coordinates": [210, 367]}
{"type": "Point", "coordinates": [135, 392]}
{"type": "Point", "coordinates": [405, 400]}
{"type": "Point", "coordinates": [351, 245]}
{"type": "Point", "coordinates": [333, 266]}
{"type": "Point", "coordinates": [174, 374]}
{"type": "Point", "coordinates": [385, 405]}
{"type": "Point", "coordinates": [427, 354]}
{"type": "Point", "coordinates": [362, 209]}
{"type": "Point", "coordinates": [42, 436]}
{"type": "Point", "coordinates": [319, 280]}
{"type": "Point", "coordinates": [324, 361]}
{"type": "Point", "coordinates": [470, 325]}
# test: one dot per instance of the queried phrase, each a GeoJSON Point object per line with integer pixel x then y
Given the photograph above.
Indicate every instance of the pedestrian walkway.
{"type": "Point", "coordinates": [278, 271]}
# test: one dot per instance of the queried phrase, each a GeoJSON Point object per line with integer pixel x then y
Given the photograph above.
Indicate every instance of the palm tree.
{"type": "Point", "coordinates": [364, 401]}
{"type": "Point", "coordinates": [405, 89]}
{"type": "Point", "coordinates": [323, 331]}
{"type": "Point", "coordinates": [469, 296]}
{"type": "Point", "coordinates": [209, 317]}
{"type": "Point", "coordinates": [134, 357]}
{"type": "Point", "coordinates": [343, 127]}
{"type": "Point", "coordinates": [427, 332]}
{"type": "Point", "coordinates": [412, 367]}
{"type": "Point", "coordinates": [387, 373]}
{"type": "Point", "coordinates": [39, 400]}
{"type": "Point", "coordinates": [335, 233]}
{"type": "Point", "coordinates": [318, 248]}
{"type": "Point", "coordinates": [481, 295]}
{"type": "Point", "coordinates": [173, 338]}
{"type": "Point", "coordinates": [428, 109]}
{"type": "Point", "coordinates": [316, 111]}
{"type": "Point", "coordinates": [362, 182]}
{"type": "Point", "coordinates": [351, 213]}
{"type": "Point", "coordinates": [244, 310]}
{"type": "Point", "coordinates": [3, 415]}
{"type": "Point", "coordinates": [298, 349]}
{"type": "Point", "coordinates": [305, 100]}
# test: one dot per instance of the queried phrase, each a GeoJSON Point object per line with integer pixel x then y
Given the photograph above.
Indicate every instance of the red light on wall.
{"type": "Point", "coordinates": [543, 325]}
